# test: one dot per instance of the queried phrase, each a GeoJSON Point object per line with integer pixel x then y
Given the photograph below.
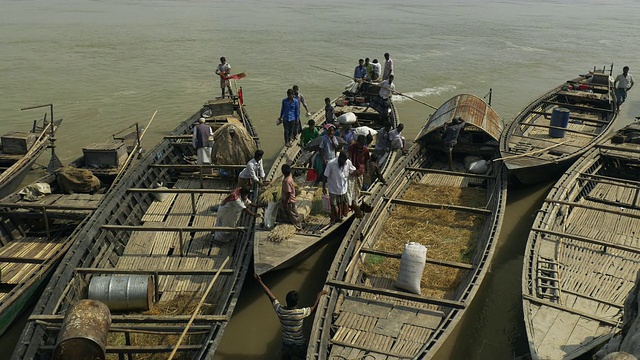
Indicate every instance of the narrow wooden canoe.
{"type": "Point", "coordinates": [36, 234]}
{"type": "Point", "coordinates": [269, 255]}
{"type": "Point", "coordinates": [532, 155]}
{"type": "Point", "coordinates": [15, 167]}
{"type": "Point", "coordinates": [171, 241]}
{"type": "Point", "coordinates": [582, 254]}
{"type": "Point", "coordinates": [365, 315]}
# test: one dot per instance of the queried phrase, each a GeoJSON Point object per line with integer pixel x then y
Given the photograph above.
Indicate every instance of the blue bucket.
{"type": "Point", "coordinates": [559, 118]}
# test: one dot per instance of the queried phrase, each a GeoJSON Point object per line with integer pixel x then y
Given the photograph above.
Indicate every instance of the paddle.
{"type": "Point", "coordinates": [369, 82]}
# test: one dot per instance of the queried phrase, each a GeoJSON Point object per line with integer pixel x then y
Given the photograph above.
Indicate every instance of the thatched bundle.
{"type": "Point", "coordinates": [449, 235]}
{"type": "Point", "coordinates": [233, 145]}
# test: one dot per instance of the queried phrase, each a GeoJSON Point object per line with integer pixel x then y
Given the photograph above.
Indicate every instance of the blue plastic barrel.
{"type": "Point", "coordinates": [559, 118]}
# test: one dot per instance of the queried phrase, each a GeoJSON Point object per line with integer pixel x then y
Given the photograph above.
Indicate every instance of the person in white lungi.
{"type": "Point", "coordinates": [202, 133]}
{"type": "Point", "coordinates": [229, 213]}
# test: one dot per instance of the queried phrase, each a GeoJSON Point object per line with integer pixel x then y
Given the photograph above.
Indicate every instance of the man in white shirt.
{"type": "Point", "coordinates": [202, 141]}
{"type": "Point", "coordinates": [223, 70]}
{"type": "Point", "coordinates": [336, 178]}
{"type": "Point", "coordinates": [253, 172]}
{"type": "Point", "coordinates": [396, 140]}
{"type": "Point", "coordinates": [388, 67]}
{"type": "Point", "coordinates": [229, 213]}
{"type": "Point", "coordinates": [623, 83]}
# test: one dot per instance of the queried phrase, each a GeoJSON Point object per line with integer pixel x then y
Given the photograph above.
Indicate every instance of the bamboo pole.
{"type": "Point", "coordinates": [195, 312]}
{"type": "Point", "coordinates": [532, 152]}
{"type": "Point", "coordinates": [134, 150]}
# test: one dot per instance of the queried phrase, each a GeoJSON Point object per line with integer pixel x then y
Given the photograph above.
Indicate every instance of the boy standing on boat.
{"type": "Point", "coordinates": [229, 213]}
{"type": "Point", "coordinates": [202, 135]}
{"type": "Point", "coordinates": [623, 83]}
{"type": "Point", "coordinates": [328, 111]}
{"type": "Point", "coordinates": [223, 70]}
{"type": "Point", "coordinates": [294, 345]}
{"type": "Point", "coordinates": [289, 117]}
{"type": "Point", "coordinates": [336, 178]}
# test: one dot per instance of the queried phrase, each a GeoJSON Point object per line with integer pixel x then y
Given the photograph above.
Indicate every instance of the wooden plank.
{"type": "Point", "coordinates": [631, 249]}
{"type": "Point", "coordinates": [187, 229]}
{"type": "Point", "coordinates": [580, 118]}
{"type": "Point", "coordinates": [451, 173]}
{"type": "Point", "coordinates": [196, 166]}
{"type": "Point", "coordinates": [180, 191]}
{"type": "Point", "coordinates": [21, 260]}
{"type": "Point", "coordinates": [115, 318]}
{"type": "Point", "coordinates": [46, 206]}
{"type": "Point", "coordinates": [452, 264]}
{"type": "Point", "coordinates": [478, 211]}
{"type": "Point", "coordinates": [584, 108]}
{"type": "Point", "coordinates": [371, 349]}
{"type": "Point", "coordinates": [401, 295]}
{"type": "Point", "coordinates": [596, 208]}
{"type": "Point", "coordinates": [137, 349]}
{"type": "Point", "coordinates": [568, 309]}
{"type": "Point", "coordinates": [156, 271]}
{"type": "Point", "coordinates": [619, 148]}
{"type": "Point", "coordinates": [563, 129]}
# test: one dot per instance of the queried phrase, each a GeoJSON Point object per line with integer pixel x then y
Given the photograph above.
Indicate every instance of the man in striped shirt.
{"type": "Point", "coordinates": [294, 345]}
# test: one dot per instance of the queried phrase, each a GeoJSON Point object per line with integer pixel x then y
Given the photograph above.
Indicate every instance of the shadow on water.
{"type": "Point", "coordinates": [493, 326]}
{"type": "Point", "coordinates": [254, 329]}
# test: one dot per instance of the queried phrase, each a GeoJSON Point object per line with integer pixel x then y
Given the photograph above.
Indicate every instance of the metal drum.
{"type": "Point", "coordinates": [559, 118]}
{"type": "Point", "coordinates": [84, 332]}
{"type": "Point", "coordinates": [123, 293]}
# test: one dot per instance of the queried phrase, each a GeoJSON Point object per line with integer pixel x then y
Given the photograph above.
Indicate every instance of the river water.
{"type": "Point", "coordinates": [106, 64]}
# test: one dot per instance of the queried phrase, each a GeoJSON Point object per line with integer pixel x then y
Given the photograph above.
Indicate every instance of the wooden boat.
{"type": "Point", "coordinates": [365, 315]}
{"type": "Point", "coordinates": [20, 150]}
{"type": "Point", "coordinates": [170, 241]}
{"type": "Point", "coordinates": [582, 253]}
{"type": "Point", "coordinates": [532, 154]}
{"type": "Point", "coordinates": [269, 255]}
{"type": "Point", "coordinates": [36, 233]}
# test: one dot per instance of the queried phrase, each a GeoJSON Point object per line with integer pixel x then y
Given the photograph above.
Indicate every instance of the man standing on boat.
{"type": "Point", "coordinates": [359, 156]}
{"type": "Point", "coordinates": [623, 83]}
{"type": "Point", "coordinates": [203, 141]}
{"type": "Point", "coordinates": [229, 213]}
{"type": "Point", "coordinates": [359, 75]}
{"type": "Point", "coordinates": [382, 103]}
{"type": "Point", "coordinates": [223, 70]}
{"type": "Point", "coordinates": [253, 173]}
{"type": "Point", "coordinates": [450, 137]}
{"type": "Point", "coordinates": [289, 117]}
{"type": "Point", "coordinates": [289, 211]}
{"type": "Point", "coordinates": [388, 67]}
{"type": "Point", "coordinates": [376, 70]}
{"type": "Point", "coordinates": [298, 95]}
{"type": "Point", "coordinates": [336, 178]}
{"type": "Point", "coordinates": [294, 345]}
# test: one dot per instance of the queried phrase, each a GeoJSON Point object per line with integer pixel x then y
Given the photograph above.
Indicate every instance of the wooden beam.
{"type": "Point", "coordinates": [398, 294]}
{"type": "Point", "coordinates": [612, 203]}
{"type": "Point", "coordinates": [116, 318]}
{"type": "Point", "coordinates": [585, 108]}
{"type": "Point", "coordinates": [196, 166]}
{"type": "Point", "coordinates": [157, 271]}
{"type": "Point", "coordinates": [607, 182]}
{"type": "Point", "coordinates": [610, 178]}
{"type": "Point", "coordinates": [371, 350]}
{"type": "Point", "coordinates": [570, 117]}
{"type": "Point", "coordinates": [619, 148]}
{"type": "Point", "coordinates": [591, 207]}
{"type": "Point", "coordinates": [631, 249]}
{"type": "Point", "coordinates": [452, 173]}
{"type": "Point", "coordinates": [187, 229]}
{"type": "Point", "coordinates": [45, 206]}
{"type": "Point", "coordinates": [124, 349]}
{"type": "Point", "coordinates": [451, 264]}
{"type": "Point", "coordinates": [478, 211]}
{"type": "Point", "coordinates": [560, 128]}
{"type": "Point", "coordinates": [21, 260]}
{"type": "Point", "coordinates": [180, 191]}
{"type": "Point", "coordinates": [569, 310]}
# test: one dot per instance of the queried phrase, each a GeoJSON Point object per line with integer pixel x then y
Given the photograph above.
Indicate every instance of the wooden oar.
{"type": "Point", "coordinates": [195, 312]}
{"type": "Point", "coordinates": [369, 82]}
{"type": "Point", "coordinates": [532, 152]}
{"type": "Point", "coordinates": [135, 149]}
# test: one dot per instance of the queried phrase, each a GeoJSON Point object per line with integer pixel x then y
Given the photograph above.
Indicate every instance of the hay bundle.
{"type": "Point", "coordinates": [449, 235]}
{"type": "Point", "coordinates": [281, 233]}
{"type": "Point", "coordinates": [309, 206]}
{"type": "Point", "coordinates": [233, 145]}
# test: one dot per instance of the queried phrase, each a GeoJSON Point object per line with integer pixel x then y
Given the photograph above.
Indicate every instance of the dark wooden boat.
{"type": "Point", "coordinates": [269, 255]}
{"type": "Point", "coordinates": [20, 150]}
{"type": "Point", "coordinates": [532, 154]}
{"type": "Point", "coordinates": [582, 254]}
{"type": "Point", "coordinates": [170, 241]}
{"type": "Point", "coordinates": [36, 233]}
{"type": "Point", "coordinates": [365, 316]}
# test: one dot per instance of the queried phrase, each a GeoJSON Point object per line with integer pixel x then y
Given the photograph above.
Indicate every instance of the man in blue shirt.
{"type": "Point", "coordinates": [289, 117]}
{"type": "Point", "coordinates": [359, 75]}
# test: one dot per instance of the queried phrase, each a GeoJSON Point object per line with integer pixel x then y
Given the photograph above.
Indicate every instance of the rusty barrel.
{"type": "Point", "coordinates": [83, 335]}
{"type": "Point", "coordinates": [123, 293]}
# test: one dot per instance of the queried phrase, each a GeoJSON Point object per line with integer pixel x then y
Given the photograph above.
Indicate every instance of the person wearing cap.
{"type": "Point", "coordinates": [336, 178]}
{"type": "Point", "coordinates": [203, 141]}
{"type": "Point", "coordinates": [289, 117]}
{"type": "Point", "coordinates": [223, 70]}
{"type": "Point", "coordinates": [376, 70]}
{"type": "Point", "coordinates": [253, 173]}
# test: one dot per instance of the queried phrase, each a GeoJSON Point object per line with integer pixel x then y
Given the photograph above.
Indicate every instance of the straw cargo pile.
{"type": "Point", "coordinates": [233, 145]}
{"type": "Point", "coordinates": [449, 235]}
{"type": "Point", "coordinates": [181, 305]}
